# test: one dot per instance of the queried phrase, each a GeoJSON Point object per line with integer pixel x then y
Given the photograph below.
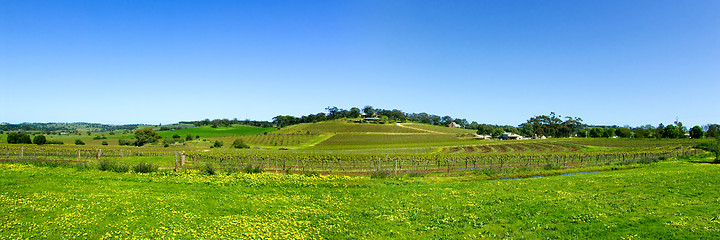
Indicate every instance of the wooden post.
{"type": "Point", "coordinates": [182, 159]}
{"type": "Point", "coordinates": [78, 158]}
{"type": "Point", "coordinates": [176, 162]}
{"type": "Point", "coordinates": [99, 153]}
{"type": "Point", "coordinates": [395, 169]}
{"type": "Point", "coordinates": [22, 152]}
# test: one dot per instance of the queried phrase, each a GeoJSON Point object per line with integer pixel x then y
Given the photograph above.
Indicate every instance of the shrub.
{"type": "Point", "coordinates": [415, 174]}
{"type": "Point", "coordinates": [238, 143]}
{"type": "Point", "coordinates": [145, 135]}
{"type": "Point", "coordinates": [487, 171]}
{"type": "Point", "coordinates": [552, 167]}
{"type": "Point", "coordinates": [13, 138]}
{"type": "Point", "coordinates": [79, 142]}
{"type": "Point", "coordinates": [380, 174]}
{"type": "Point", "coordinates": [104, 143]}
{"type": "Point", "coordinates": [107, 165]}
{"type": "Point", "coordinates": [251, 169]}
{"type": "Point", "coordinates": [145, 168]}
{"type": "Point", "coordinates": [217, 144]}
{"type": "Point", "coordinates": [208, 169]}
{"type": "Point", "coordinates": [125, 142]}
{"type": "Point", "coordinates": [188, 137]}
{"type": "Point", "coordinates": [54, 142]}
{"type": "Point", "coordinates": [39, 140]}
{"type": "Point", "coordinates": [175, 136]}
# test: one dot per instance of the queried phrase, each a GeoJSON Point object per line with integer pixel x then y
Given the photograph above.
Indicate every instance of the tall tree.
{"type": "Point", "coordinates": [696, 132]}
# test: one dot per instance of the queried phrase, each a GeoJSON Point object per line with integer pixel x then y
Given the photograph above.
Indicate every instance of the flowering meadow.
{"type": "Point", "coordinates": [674, 198]}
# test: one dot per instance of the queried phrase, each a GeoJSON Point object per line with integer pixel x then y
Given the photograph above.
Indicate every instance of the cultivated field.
{"type": "Point", "coordinates": [346, 180]}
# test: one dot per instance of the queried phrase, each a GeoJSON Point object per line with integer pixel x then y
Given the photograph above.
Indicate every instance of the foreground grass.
{"type": "Point", "coordinates": [673, 199]}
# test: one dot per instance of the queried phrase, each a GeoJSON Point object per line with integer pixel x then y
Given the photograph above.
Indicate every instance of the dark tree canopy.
{"type": "Point", "coordinates": [16, 138]}
{"type": "Point", "coordinates": [39, 140]}
{"type": "Point", "coordinates": [145, 135]}
{"type": "Point", "coordinates": [696, 132]}
{"type": "Point", "coordinates": [670, 131]}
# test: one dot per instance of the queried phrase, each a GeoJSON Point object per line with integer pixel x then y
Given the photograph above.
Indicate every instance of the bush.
{"type": "Point", "coordinates": [14, 138]}
{"type": "Point", "coordinates": [145, 168]}
{"type": "Point", "coordinates": [552, 167]}
{"type": "Point", "coordinates": [487, 171]}
{"type": "Point", "coordinates": [54, 142]}
{"type": "Point", "coordinates": [380, 174]}
{"type": "Point", "coordinates": [125, 142]}
{"type": "Point", "coordinates": [39, 140]}
{"type": "Point", "coordinates": [217, 144]}
{"type": "Point", "coordinates": [79, 142]}
{"type": "Point", "coordinates": [238, 143]}
{"type": "Point", "coordinates": [251, 169]}
{"type": "Point", "coordinates": [175, 136]}
{"type": "Point", "coordinates": [145, 135]}
{"type": "Point", "coordinates": [188, 137]}
{"type": "Point", "coordinates": [208, 169]}
{"type": "Point", "coordinates": [107, 165]}
{"type": "Point", "coordinates": [104, 143]}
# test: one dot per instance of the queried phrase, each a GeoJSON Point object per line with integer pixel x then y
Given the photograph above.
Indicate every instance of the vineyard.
{"type": "Point", "coordinates": [493, 155]}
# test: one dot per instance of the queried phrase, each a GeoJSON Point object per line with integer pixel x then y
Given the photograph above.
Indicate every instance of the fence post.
{"type": "Point", "coordinates": [395, 169]}
{"type": "Point", "coordinates": [182, 159]}
{"type": "Point", "coordinates": [22, 152]}
{"type": "Point", "coordinates": [176, 162]}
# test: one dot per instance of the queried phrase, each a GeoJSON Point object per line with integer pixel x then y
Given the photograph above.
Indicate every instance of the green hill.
{"type": "Point", "coordinates": [210, 132]}
{"type": "Point", "coordinates": [342, 126]}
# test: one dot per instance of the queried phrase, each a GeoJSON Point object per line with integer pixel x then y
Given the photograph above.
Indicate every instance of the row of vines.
{"type": "Point", "coordinates": [505, 156]}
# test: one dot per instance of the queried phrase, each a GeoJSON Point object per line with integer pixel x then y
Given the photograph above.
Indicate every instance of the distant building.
{"type": "Point", "coordinates": [480, 136]}
{"type": "Point", "coordinates": [454, 125]}
{"type": "Point", "coordinates": [510, 136]}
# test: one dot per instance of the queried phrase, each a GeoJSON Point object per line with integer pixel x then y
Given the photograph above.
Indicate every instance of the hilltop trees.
{"type": "Point", "coordinates": [553, 126]}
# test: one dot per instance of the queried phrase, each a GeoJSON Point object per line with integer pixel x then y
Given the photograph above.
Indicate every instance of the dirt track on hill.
{"type": "Point", "coordinates": [420, 129]}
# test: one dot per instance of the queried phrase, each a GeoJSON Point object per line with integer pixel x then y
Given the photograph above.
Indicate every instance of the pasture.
{"type": "Point", "coordinates": [343, 180]}
{"type": "Point", "coordinates": [676, 198]}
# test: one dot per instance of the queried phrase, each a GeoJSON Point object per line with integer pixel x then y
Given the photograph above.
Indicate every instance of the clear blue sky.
{"type": "Point", "coordinates": [500, 62]}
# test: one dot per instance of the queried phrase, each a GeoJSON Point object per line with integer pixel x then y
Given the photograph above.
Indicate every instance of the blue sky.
{"type": "Point", "coordinates": [500, 62]}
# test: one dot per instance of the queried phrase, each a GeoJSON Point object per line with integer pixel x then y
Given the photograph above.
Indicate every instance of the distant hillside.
{"type": "Point", "coordinates": [209, 131]}
{"type": "Point", "coordinates": [342, 126]}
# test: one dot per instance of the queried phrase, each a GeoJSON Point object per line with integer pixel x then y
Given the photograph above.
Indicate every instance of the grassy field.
{"type": "Point", "coordinates": [210, 132]}
{"type": "Point", "coordinates": [441, 129]}
{"type": "Point", "coordinates": [341, 126]}
{"type": "Point", "coordinates": [363, 140]}
{"type": "Point", "coordinates": [676, 199]}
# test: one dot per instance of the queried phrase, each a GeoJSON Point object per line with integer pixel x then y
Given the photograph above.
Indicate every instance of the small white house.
{"type": "Point", "coordinates": [454, 125]}
{"type": "Point", "coordinates": [480, 136]}
{"type": "Point", "coordinates": [510, 136]}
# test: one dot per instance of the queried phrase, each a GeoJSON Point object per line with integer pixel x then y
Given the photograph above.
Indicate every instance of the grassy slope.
{"type": "Point", "coordinates": [665, 200]}
{"type": "Point", "coordinates": [442, 129]}
{"type": "Point", "coordinates": [341, 126]}
{"type": "Point", "coordinates": [209, 132]}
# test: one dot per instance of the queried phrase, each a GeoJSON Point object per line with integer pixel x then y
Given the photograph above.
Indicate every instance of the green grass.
{"type": "Point", "coordinates": [443, 129]}
{"type": "Point", "coordinates": [210, 132]}
{"type": "Point", "coordinates": [674, 199]}
{"type": "Point", "coordinates": [342, 126]}
{"type": "Point", "coordinates": [362, 140]}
